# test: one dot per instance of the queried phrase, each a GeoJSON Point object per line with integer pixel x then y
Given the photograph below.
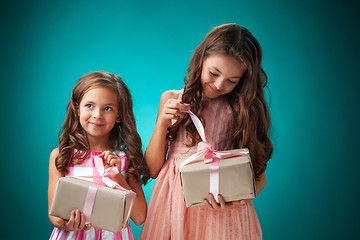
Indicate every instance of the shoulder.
{"type": "Point", "coordinates": [53, 171]}
{"type": "Point", "coordinates": [54, 153]}
{"type": "Point", "coordinates": [170, 94]}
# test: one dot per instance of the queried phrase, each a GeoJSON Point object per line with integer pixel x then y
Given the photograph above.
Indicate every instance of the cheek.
{"type": "Point", "coordinates": [83, 114]}
{"type": "Point", "coordinates": [230, 88]}
{"type": "Point", "coordinates": [205, 78]}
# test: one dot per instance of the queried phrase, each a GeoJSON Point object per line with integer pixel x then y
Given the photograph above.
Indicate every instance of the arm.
{"type": "Point", "coordinates": [138, 213]}
{"type": "Point", "coordinates": [76, 221]}
{"type": "Point", "coordinates": [169, 108]}
{"type": "Point", "coordinates": [139, 210]}
{"type": "Point", "coordinates": [260, 183]}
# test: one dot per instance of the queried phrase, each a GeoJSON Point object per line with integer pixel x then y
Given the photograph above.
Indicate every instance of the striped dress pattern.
{"type": "Point", "coordinates": [87, 168]}
{"type": "Point", "coordinates": [169, 218]}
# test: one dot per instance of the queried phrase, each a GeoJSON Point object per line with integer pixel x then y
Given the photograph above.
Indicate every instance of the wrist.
{"type": "Point", "coordinates": [120, 179]}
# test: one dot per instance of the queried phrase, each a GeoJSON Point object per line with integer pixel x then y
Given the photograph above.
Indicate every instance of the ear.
{"type": "Point", "coordinates": [118, 120]}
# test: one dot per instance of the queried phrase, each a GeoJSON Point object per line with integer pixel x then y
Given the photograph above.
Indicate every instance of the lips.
{"type": "Point", "coordinates": [96, 125]}
{"type": "Point", "coordinates": [214, 90]}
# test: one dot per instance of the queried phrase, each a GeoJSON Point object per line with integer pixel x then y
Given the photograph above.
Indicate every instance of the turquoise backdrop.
{"type": "Point", "coordinates": [311, 57]}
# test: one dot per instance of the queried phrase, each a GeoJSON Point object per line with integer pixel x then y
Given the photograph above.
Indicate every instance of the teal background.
{"type": "Point", "coordinates": [311, 57]}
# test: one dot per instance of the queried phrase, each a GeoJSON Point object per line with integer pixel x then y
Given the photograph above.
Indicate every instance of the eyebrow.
{"type": "Point", "coordinates": [221, 73]}
{"type": "Point", "coordinates": [108, 104]}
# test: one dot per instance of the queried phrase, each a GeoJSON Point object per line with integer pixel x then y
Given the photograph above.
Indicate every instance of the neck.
{"type": "Point", "coordinates": [99, 144]}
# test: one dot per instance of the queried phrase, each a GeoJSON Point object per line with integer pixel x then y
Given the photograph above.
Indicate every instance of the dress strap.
{"type": "Point", "coordinates": [181, 94]}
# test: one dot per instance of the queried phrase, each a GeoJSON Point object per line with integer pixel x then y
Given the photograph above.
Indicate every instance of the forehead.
{"type": "Point", "coordinates": [226, 64]}
{"type": "Point", "coordinates": [100, 94]}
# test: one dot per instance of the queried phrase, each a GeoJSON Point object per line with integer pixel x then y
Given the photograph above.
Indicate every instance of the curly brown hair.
{"type": "Point", "coordinates": [247, 101]}
{"type": "Point", "coordinates": [123, 135]}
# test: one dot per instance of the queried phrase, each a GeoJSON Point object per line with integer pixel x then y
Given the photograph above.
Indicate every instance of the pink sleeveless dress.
{"type": "Point", "coordinates": [169, 218]}
{"type": "Point", "coordinates": [87, 168]}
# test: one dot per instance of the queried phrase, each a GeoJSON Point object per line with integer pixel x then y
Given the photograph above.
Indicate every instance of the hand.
{"type": "Point", "coordinates": [222, 206]}
{"type": "Point", "coordinates": [173, 109]}
{"type": "Point", "coordinates": [110, 159]}
{"type": "Point", "coordinates": [75, 223]}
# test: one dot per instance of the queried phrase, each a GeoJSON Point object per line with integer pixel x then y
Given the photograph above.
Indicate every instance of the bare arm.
{"type": "Point", "coordinates": [139, 210]}
{"type": "Point", "coordinates": [169, 108]}
{"type": "Point", "coordinates": [260, 184]}
{"type": "Point", "coordinates": [76, 220]}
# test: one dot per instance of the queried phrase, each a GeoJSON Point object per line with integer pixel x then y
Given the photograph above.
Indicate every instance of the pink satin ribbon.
{"type": "Point", "coordinates": [212, 157]}
{"type": "Point", "coordinates": [92, 190]}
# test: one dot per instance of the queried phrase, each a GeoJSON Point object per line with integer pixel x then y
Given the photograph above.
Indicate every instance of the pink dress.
{"type": "Point", "coordinates": [87, 168]}
{"type": "Point", "coordinates": [169, 218]}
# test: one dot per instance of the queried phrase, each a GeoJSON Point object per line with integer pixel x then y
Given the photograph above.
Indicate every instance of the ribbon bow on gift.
{"type": "Point", "coordinates": [105, 176]}
{"type": "Point", "coordinates": [212, 157]}
{"type": "Point", "coordinates": [105, 173]}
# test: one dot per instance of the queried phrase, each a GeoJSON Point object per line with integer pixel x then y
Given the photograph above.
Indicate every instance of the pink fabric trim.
{"type": "Point", "coordinates": [52, 234]}
{"type": "Point", "coordinates": [80, 235]}
{"type": "Point", "coordinates": [130, 234]}
{"type": "Point", "coordinates": [64, 235]}
{"type": "Point", "coordinates": [118, 236]}
{"type": "Point", "coordinates": [97, 234]}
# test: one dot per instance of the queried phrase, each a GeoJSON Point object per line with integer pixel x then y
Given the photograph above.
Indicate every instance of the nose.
{"type": "Point", "coordinates": [219, 83]}
{"type": "Point", "coordinates": [97, 113]}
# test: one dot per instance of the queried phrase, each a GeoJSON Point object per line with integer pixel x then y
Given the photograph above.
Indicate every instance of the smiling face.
{"type": "Point", "coordinates": [220, 74]}
{"type": "Point", "coordinates": [98, 112]}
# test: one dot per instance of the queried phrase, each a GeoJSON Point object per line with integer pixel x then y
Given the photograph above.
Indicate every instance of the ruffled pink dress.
{"type": "Point", "coordinates": [169, 218]}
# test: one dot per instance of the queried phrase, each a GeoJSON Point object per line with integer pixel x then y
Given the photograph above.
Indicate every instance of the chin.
{"type": "Point", "coordinates": [212, 95]}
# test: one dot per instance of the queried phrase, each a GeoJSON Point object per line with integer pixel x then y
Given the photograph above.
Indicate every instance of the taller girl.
{"type": "Point", "coordinates": [224, 87]}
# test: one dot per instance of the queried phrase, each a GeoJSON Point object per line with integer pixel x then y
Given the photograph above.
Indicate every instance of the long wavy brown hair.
{"type": "Point", "coordinates": [123, 136]}
{"type": "Point", "coordinates": [247, 101]}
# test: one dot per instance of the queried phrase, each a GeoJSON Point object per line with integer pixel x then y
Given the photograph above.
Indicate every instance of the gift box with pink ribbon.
{"type": "Point", "coordinates": [106, 207]}
{"type": "Point", "coordinates": [228, 173]}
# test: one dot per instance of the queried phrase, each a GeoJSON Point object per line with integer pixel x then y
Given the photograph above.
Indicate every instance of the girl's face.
{"type": "Point", "coordinates": [220, 74]}
{"type": "Point", "coordinates": [98, 111]}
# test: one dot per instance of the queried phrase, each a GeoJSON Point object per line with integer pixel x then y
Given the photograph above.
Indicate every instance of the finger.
{"type": "Point", "coordinates": [87, 227]}
{"type": "Point", "coordinates": [178, 105]}
{"type": "Point", "coordinates": [115, 161]}
{"type": "Point", "coordinates": [101, 155]}
{"type": "Point", "coordinates": [82, 222]}
{"type": "Point", "coordinates": [70, 223]}
{"type": "Point", "coordinates": [171, 111]}
{"type": "Point", "coordinates": [77, 219]}
{"type": "Point", "coordinates": [185, 107]}
{"type": "Point", "coordinates": [207, 205]}
{"type": "Point", "coordinates": [106, 155]}
{"type": "Point", "coordinates": [221, 201]}
{"type": "Point", "coordinates": [213, 202]}
{"type": "Point", "coordinates": [61, 222]}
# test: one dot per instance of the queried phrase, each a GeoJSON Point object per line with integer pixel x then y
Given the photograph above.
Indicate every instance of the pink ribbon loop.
{"type": "Point", "coordinates": [211, 157]}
